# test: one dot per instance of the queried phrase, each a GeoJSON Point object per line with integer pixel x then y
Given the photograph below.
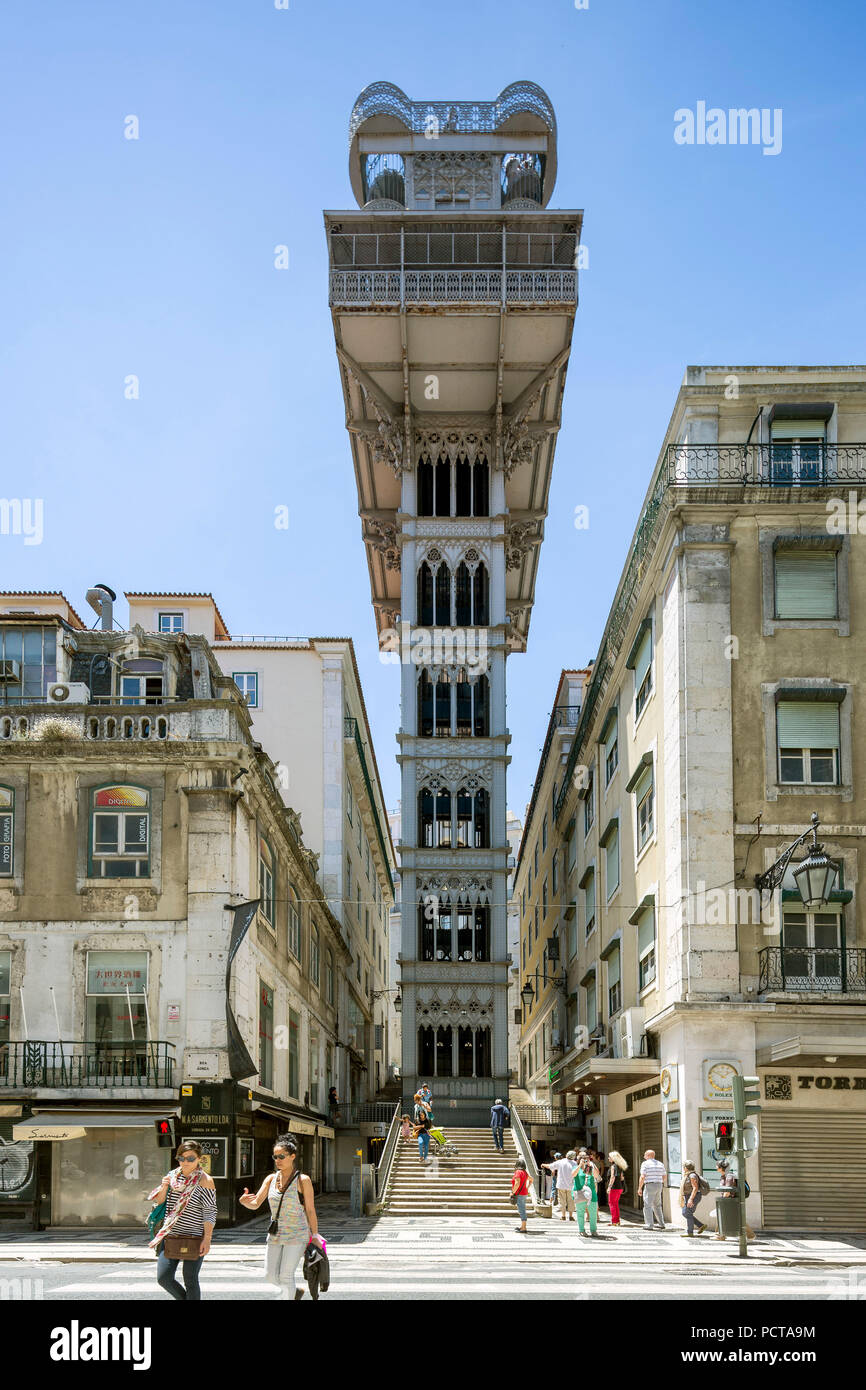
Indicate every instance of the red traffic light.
{"type": "Point", "coordinates": [724, 1130]}
{"type": "Point", "coordinates": [165, 1134]}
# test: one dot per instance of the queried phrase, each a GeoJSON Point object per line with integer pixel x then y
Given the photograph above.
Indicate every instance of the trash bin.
{"type": "Point", "coordinates": [728, 1216]}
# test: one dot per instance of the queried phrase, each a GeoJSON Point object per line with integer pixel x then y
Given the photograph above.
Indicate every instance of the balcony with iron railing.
{"type": "Point", "coordinates": [441, 263]}
{"type": "Point", "coordinates": [119, 721]}
{"type": "Point", "coordinates": [34, 1065]}
{"type": "Point", "coordinates": [818, 970]}
{"type": "Point", "coordinates": [768, 473]}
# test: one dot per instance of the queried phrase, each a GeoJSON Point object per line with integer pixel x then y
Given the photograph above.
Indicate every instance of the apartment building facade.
{"type": "Point", "coordinates": [165, 949]}
{"type": "Point", "coordinates": [720, 714]}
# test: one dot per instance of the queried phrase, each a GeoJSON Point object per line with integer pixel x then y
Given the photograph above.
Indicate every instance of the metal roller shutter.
{"type": "Point", "coordinates": [796, 1195]}
{"type": "Point", "coordinates": [649, 1136]}
{"type": "Point", "coordinates": [622, 1140]}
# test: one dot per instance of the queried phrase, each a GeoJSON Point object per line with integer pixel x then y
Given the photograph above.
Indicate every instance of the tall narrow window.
{"type": "Point", "coordinates": [294, 1054]}
{"type": "Point", "coordinates": [611, 746]}
{"type": "Point", "coordinates": [295, 925]}
{"type": "Point", "coordinates": [614, 983]}
{"type": "Point", "coordinates": [115, 1005]}
{"type": "Point", "coordinates": [434, 819]}
{"type": "Point", "coordinates": [643, 670]}
{"type": "Point", "coordinates": [314, 1068]}
{"type": "Point", "coordinates": [120, 832]}
{"type": "Point", "coordinates": [329, 976]}
{"type": "Point", "coordinates": [797, 450]}
{"type": "Point", "coordinates": [247, 683]}
{"type": "Point", "coordinates": [266, 1035]}
{"type": "Point", "coordinates": [266, 880]}
{"type": "Point", "coordinates": [646, 947]}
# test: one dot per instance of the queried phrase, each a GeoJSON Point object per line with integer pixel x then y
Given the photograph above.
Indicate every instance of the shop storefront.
{"type": "Point", "coordinates": [812, 1126]}
{"type": "Point", "coordinates": [103, 1164]}
{"type": "Point", "coordinates": [19, 1172]}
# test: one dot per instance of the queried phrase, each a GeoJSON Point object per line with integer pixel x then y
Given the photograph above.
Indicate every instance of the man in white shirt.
{"type": "Point", "coordinates": [650, 1186]}
{"type": "Point", "coordinates": [565, 1169]}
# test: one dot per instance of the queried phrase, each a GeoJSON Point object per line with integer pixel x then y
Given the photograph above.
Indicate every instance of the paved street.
{"type": "Point", "coordinates": [426, 1258]}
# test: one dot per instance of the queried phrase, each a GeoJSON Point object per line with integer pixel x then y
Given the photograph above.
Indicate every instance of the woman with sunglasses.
{"type": "Point", "coordinates": [293, 1216]}
{"type": "Point", "coordinates": [190, 1210]}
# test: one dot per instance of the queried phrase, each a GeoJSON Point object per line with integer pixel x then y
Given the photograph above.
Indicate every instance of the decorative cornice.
{"type": "Point", "coordinates": [521, 537]}
{"type": "Point", "coordinates": [453, 440]}
{"type": "Point", "coordinates": [383, 537]}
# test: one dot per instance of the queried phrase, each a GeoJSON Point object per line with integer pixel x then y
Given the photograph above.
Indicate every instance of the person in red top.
{"type": "Point", "coordinates": [520, 1191]}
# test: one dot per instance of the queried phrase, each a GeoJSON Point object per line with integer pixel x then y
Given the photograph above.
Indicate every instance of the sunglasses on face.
{"type": "Point", "coordinates": [279, 1157]}
{"type": "Point", "coordinates": [189, 1158]}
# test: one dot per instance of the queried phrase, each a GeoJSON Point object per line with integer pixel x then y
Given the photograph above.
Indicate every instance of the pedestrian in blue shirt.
{"type": "Point", "coordinates": [498, 1115]}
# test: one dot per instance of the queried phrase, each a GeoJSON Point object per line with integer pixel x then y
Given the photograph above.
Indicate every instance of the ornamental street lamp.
{"type": "Point", "coordinates": [814, 875]}
{"type": "Point", "coordinates": [398, 1002]}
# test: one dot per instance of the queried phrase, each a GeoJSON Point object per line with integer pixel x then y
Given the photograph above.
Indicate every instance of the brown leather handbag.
{"type": "Point", "coordinates": [182, 1247]}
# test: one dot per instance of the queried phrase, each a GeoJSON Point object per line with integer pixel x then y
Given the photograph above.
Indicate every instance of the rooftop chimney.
{"type": "Point", "coordinates": [101, 599]}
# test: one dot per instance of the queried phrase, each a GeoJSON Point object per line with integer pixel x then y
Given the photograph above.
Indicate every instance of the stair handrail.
{"type": "Point", "coordinates": [386, 1162]}
{"type": "Point", "coordinates": [524, 1148]}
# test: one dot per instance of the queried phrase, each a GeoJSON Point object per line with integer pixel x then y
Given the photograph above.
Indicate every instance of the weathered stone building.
{"type": "Point", "coordinates": [135, 808]}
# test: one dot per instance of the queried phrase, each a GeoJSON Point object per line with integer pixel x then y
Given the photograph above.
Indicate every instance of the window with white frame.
{"type": "Point", "coordinates": [170, 622]}
{"type": "Point", "coordinates": [247, 683]}
{"type": "Point", "coordinates": [142, 681]}
{"type": "Point", "coordinates": [808, 741]}
{"type": "Point", "coordinates": [349, 801]}
{"type": "Point", "coordinates": [643, 788]}
{"type": "Point", "coordinates": [266, 880]}
{"type": "Point", "coordinates": [329, 976]}
{"type": "Point", "coordinates": [812, 951]}
{"type": "Point", "coordinates": [646, 947]}
{"type": "Point", "coordinates": [589, 806]}
{"type": "Point", "coordinates": [591, 1004]}
{"type": "Point", "coordinates": [120, 832]}
{"type": "Point", "coordinates": [805, 583]}
{"type": "Point", "coordinates": [7, 831]}
{"type": "Point", "coordinates": [797, 450]}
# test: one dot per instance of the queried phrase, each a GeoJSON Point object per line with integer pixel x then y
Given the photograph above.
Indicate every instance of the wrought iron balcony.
{"type": "Point", "coordinates": [366, 288]}
{"type": "Point", "coordinates": [42, 1065]}
{"type": "Point", "coordinates": [817, 969]}
{"type": "Point", "coordinates": [464, 117]}
{"type": "Point", "coordinates": [781, 464]}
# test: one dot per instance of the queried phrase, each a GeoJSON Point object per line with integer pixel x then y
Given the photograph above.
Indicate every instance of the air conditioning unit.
{"type": "Point", "coordinates": [75, 693]}
{"type": "Point", "coordinates": [629, 1032]}
{"type": "Point", "coordinates": [10, 671]}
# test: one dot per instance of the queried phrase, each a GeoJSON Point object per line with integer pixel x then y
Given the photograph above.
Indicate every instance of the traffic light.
{"type": "Point", "coordinates": [747, 1096]}
{"type": "Point", "coordinates": [724, 1137]}
{"type": "Point", "coordinates": [165, 1134]}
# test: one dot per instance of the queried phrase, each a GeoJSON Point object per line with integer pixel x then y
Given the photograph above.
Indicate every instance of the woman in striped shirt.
{"type": "Point", "coordinates": [190, 1210]}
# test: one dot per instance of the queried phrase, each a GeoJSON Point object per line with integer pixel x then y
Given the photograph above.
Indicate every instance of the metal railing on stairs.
{"type": "Point", "coordinates": [386, 1161]}
{"type": "Point", "coordinates": [524, 1148]}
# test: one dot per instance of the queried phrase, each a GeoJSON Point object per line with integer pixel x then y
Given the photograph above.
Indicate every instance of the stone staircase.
{"type": "Point", "coordinates": [475, 1183]}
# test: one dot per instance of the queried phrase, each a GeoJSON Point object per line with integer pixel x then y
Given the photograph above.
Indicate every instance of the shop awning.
{"type": "Point", "coordinates": [295, 1124]}
{"type": "Point", "coordinates": [602, 1076]}
{"type": "Point", "coordinates": [73, 1124]}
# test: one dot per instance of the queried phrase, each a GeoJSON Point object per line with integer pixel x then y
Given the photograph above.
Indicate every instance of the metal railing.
{"type": "Point", "coordinates": [78, 1064]}
{"type": "Point", "coordinates": [465, 117]}
{"type": "Point", "coordinates": [549, 1115]}
{"type": "Point", "coordinates": [351, 1113]}
{"type": "Point", "coordinates": [838, 970]}
{"type": "Point", "coordinates": [775, 464]}
{"type": "Point", "coordinates": [524, 1148]}
{"type": "Point", "coordinates": [351, 731]}
{"type": "Point", "coordinates": [389, 1150]}
{"type": "Point", "coordinates": [395, 288]}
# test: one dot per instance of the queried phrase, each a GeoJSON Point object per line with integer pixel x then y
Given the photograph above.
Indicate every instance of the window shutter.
{"type": "Point", "coordinates": [798, 429]}
{"type": "Point", "coordinates": [806, 584]}
{"type": "Point", "coordinates": [646, 931]}
{"type": "Point", "coordinates": [613, 969]}
{"type": "Point", "coordinates": [610, 740]}
{"type": "Point", "coordinates": [643, 658]}
{"type": "Point", "coordinates": [643, 784]}
{"type": "Point", "coordinates": [808, 724]}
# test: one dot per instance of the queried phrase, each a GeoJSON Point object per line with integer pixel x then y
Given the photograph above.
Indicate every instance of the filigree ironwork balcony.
{"type": "Point", "coordinates": [781, 464]}
{"type": "Point", "coordinates": [465, 117]}
{"type": "Point", "coordinates": [819, 969]}
{"type": "Point", "coordinates": [43, 1065]}
{"type": "Point", "coordinates": [391, 288]}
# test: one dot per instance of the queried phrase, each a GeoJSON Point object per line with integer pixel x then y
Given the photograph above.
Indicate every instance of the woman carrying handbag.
{"type": "Point", "coordinates": [293, 1216]}
{"type": "Point", "coordinates": [184, 1236]}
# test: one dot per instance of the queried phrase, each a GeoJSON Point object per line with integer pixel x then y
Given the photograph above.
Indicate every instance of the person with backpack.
{"type": "Point", "coordinates": [692, 1189]}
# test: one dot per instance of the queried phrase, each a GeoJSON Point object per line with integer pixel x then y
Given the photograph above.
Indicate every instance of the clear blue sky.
{"type": "Point", "coordinates": [155, 258]}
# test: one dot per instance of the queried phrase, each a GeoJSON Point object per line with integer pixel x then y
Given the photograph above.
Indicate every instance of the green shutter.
{"type": "Point", "coordinates": [612, 852]}
{"type": "Point", "coordinates": [806, 584]}
{"type": "Point", "coordinates": [808, 724]}
{"type": "Point", "coordinates": [643, 658]}
{"type": "Point", "coordinates": [646, 931]}
{"type": "Point", "coordinates": [613, 969]}
{"type": "Point", "coordinates": [798, 429]}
